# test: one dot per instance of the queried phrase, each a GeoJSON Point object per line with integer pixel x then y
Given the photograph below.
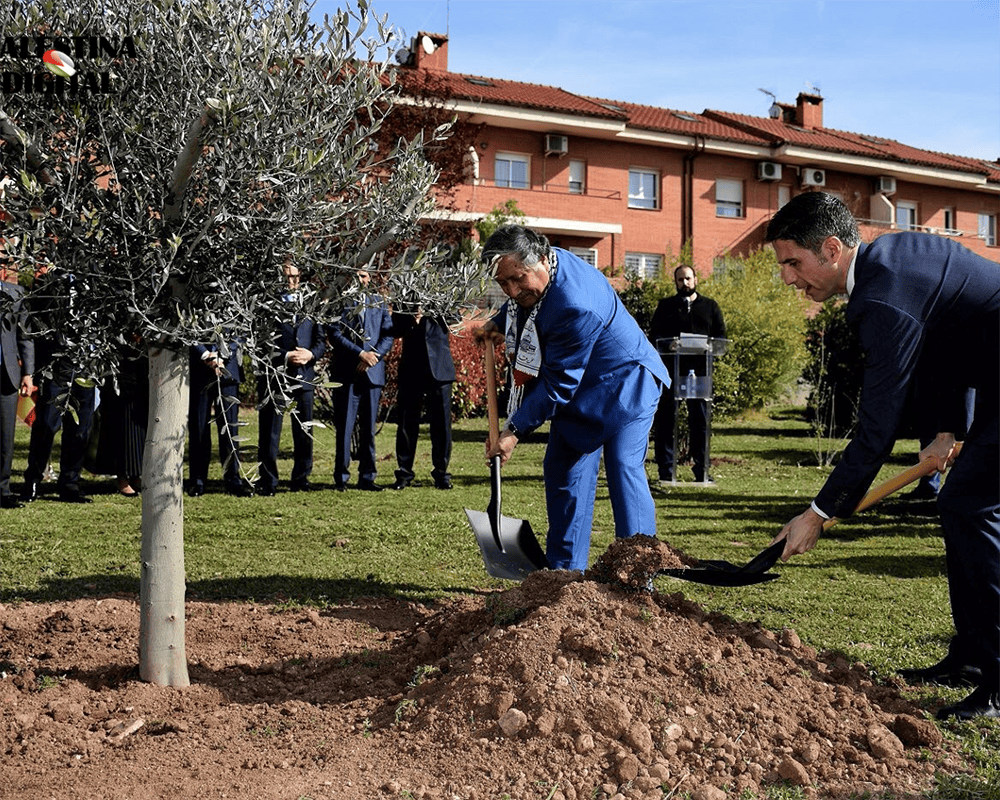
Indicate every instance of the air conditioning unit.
{"type": "Point", "coordinates": [556, 144]}
{"type": "Point", "coordinates": [813, 177]}
{"type": "Point", "coordinates": [768, 171]}
{"type": "Point", "coordinates": [885, 184]}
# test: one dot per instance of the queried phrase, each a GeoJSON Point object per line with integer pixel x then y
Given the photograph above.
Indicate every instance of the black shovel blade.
{"type": "Point", "coordinates": [514, 553]}
{"type": "Point", "coordinates": [722, 573]}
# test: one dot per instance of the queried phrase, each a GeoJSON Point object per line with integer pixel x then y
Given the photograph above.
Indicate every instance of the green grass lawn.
{"type": "Point", "coordinates": [874, 589]}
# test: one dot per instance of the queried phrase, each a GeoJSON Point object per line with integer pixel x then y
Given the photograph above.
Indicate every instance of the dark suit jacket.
{"type": "Point", "coordinates": [15, 347]}
{"type": "Point", "coordinates": [348, 338]}
{"type": "Point", "coordinates": [426, 349]}
{"type": "Point", "coordinates": [924, 304]}
{"type": "Point", "coordinates": [673, 317]}
{"type": "Point", "coordinates": [232, 367]}
{"type": "Point", "coordinates": [305, 333]}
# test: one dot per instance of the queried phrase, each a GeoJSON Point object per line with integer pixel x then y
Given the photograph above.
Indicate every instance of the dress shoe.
{"type": "Point", "coordinates": [983, 702]}
{"type": "Point", "coordinates": [9, 501]}
{"type": "Point", "coordinates": [401, 483]}
{"type": "Point", "coordinates": [239, 490]}
{"type": "Point", "coordinates": [947, 672]}
{"type": "Point", "coordinates": [29, 492]}
{"type": "Point", "coordinates": [302, 486]}
{"type": "Point", "coordinates": [442, 483]}
{"type": "Point", "coordinates": [369, 486]}
{"type": "Point", "coordinates": [196, 490]}
{"type": "Point", "coordinates": [74, 496]}
{"type": "Point", "coordinates": [339, 486]}
{"type": "Point", "coordinates": [265, 491]}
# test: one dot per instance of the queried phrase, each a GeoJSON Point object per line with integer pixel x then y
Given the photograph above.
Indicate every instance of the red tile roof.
{"type": "Point", "coordinates": [720, 125]}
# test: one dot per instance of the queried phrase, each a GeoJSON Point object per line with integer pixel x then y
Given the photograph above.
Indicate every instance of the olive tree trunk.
{"type": "Point", "coordinates": [162, 657]}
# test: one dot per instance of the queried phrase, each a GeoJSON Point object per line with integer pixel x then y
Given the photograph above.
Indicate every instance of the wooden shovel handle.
{"type": "Point", "coordinates": [895, 483]}
{"type": "Point", "coordinates": [491, 392]}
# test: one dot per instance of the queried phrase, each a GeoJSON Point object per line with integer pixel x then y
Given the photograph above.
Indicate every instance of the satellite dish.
{"type": "Point", "coordinates": [427, 44]}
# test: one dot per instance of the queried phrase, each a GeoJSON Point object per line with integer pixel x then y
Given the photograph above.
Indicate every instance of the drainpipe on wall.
{"type": "Point", "coordinates": [687, 189]}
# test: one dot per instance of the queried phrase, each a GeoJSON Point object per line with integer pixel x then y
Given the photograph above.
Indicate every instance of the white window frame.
{"type": "Point", "coordinates": [508, 181]}
{"type": "Point", "coordinates": [577, 177]}
{"type": "Point", "coordinates": [950, 221]}
{"type": "Point", "coordinates": [637, 188]}
{"type": "Point", "coordinates": [728, 198]}
{"type": "Point", "coordinates": [987, 229]}
{"type": "Point", "coordinates": [588, 254]}
{"type": "Point", "coordinates": [644, 265]}
{"type": "Point", "coordinates": [906, 215]}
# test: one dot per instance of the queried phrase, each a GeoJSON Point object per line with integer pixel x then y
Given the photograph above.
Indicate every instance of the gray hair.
{"type": "Point", "coordinates": [516, 240]}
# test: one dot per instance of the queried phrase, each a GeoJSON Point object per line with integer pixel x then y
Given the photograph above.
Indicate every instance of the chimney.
{"type": "Point", "coordinates": [430, 51]}
{"type": "Point", "coordinates": [809, 111]}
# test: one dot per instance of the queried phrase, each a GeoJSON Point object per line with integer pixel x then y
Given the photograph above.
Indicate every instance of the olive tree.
{"type": "Point", "coordinates": [198, 147]}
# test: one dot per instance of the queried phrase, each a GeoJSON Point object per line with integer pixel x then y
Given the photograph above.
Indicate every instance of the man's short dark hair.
{"type": "Point", "coordinates": [516, 240]}
{"type": "Point", "coordinates": [810, 219]}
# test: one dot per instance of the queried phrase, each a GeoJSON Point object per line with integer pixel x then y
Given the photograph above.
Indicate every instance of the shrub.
{"type": "Point", "coordinates": [765, 325]}
{"type": "Point", "coordinates": [833, 371]}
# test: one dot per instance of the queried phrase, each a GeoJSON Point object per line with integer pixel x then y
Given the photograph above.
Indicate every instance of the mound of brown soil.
{"type": "Point", "coordinates": [561, 688]}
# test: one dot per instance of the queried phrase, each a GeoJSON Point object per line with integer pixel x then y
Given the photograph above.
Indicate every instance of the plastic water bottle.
{"type": "Point", "coordinates": [689, 388]}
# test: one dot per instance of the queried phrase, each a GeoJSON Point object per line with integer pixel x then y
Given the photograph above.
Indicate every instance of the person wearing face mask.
{"type": "Point", "coordinates": [579, 360]}
{"type": "Point", "coordinates": [685, 312]}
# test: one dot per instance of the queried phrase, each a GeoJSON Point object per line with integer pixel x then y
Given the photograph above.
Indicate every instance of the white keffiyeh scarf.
{"type": "Point", "coordinates": [527, 350]}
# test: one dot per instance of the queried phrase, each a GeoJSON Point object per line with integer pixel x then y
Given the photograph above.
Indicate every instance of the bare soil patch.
{"type": "Point", "coordinates": [562, 688]}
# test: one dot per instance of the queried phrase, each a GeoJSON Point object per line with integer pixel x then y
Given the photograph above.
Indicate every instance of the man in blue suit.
{"type": "Point", "coordinates": [295, 349]}
{"type": "Point", "coordinates": [359, 342]}
{"type": "Point", "coordinates": [580, 360]}
{"type": "Point", "coordinates": [426, 370]}
{"type": "Point", "coordinates": [215, 383]}
{"type": "Point", "coordinates": [920, 304]}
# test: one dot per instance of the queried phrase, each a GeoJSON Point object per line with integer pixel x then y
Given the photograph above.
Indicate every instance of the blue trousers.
{"type": "Point", "coordinates": [969, 506]}
{"type": "Point", "coordinates": [49, 418]}
{"type": "Point", "coordinates": [355, 402]}
{"type": "Point", "coordinates": [571, 484]}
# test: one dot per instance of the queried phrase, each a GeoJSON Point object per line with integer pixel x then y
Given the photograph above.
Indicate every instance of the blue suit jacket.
{"type": "Point", "coordinates": [924, 304]}
{"type": "Point", "coordinates": [348, 340]}
{"type": "Point", "coordinates": [426, 349]}
{"type": "Point", "coordinates": [593, 352]}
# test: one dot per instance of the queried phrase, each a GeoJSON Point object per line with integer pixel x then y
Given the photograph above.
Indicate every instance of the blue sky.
{"type": "Point", "coordinates": [923, 72]}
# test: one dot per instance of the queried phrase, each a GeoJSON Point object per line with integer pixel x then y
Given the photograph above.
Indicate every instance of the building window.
{"type": "Point", "coordinates": [728, 198]}
{"type": "Point", "coordinates": [642, 188]}
{"type": "Point", "coordinates": [511, 171]}
{"type": "Point", "coordinates": [988, 229]}
{"type": "Point", "coordinates": [950, 227]}
{"type": "Point", "coordinates": [644, 265]}
{"type": "Point", "coordinates": [906, 216]}
{"type": "Point", "coordinates": [587, 254]}
{"type": "Point", "coordinates": [577, 177]}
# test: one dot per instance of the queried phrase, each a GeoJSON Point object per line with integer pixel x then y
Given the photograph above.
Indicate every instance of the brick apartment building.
{"type": "Point", "coordinates": [625, 184]}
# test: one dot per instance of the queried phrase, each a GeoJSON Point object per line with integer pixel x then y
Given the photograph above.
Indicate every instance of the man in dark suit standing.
{"type": "Point", "coordinates": [63, 402]}
{"type": "Point", "coordinates": [426, 370]}
{"type": "Point", "coordinates": [295, 349]}
{"type": "Point", "coordinates": [359, 342]}
{"type": "Point", "coordinates": [17, 364]}
{"type": "Point", "coordinates": [685, 312]}
{"type": "Point", "coordinates": [215, 383]}
{"type": "Point", "coordinates": [920, 304]}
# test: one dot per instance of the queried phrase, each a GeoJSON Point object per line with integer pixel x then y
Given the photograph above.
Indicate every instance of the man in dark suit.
{"type": "Point", "coordinates": [63, 402]}
{"type": "Point", "coordinates": [685, 312]}
{"type": "Point", "coordinates": [359, 342]}
{"type": "Point", "coordinates": [920, 304]}
{"type": "Point", "coordinates": [17, 364]}
{"type": "Point", "coordinates": [295, 349]}
{"type": "Point", "coordinates": [426, 370]}
{"type": "Point", "coordinates": [215, 384]}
